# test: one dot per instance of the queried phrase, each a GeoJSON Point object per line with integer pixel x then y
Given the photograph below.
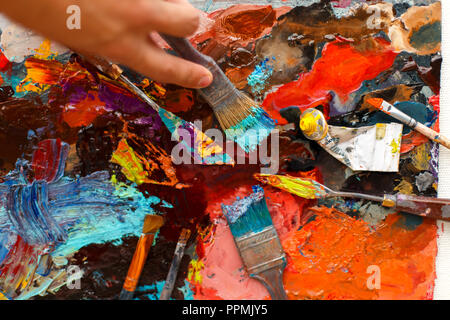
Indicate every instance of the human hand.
{"type": "Point", "coordinates": [121, 31]}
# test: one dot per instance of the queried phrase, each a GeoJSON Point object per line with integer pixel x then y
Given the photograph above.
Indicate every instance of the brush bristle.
{"type": "Point", "coordinates": [152, 223]}
{"type": "Point", "coordinates": [244, 121]}
{"type": "Point", "coordinates": [238, 109]}
{"type": "Point", "coordinates": [248, 215]}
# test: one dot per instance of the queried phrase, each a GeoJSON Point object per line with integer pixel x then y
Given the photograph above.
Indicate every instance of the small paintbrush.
{"type": "Point", "coordinates": [389, 109]}
{"type": "Point", "coordinates": [204, 147]}
{"type": "Point", "coordinates": [152, 224]}
{"type": "Point", "coordinates": [434, 208]}
{"type": "Point", "coordinates": [257, 241]}
{"type": "Point", "coordinates": [239, 116]}
{"type": "Point", "coordinates": [173, 271]}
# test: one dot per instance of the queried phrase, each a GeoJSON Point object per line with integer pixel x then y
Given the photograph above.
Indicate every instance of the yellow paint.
{"type": "Point", "coordinates": [2, 296]}
{"type": "Point", "coordinates": [380, 131]}
{"type": "Point", "coordinates": [308, 123]}
{"type": "Point", "coordinates": [305, 188]}
{"type": "Point", "coordinates": [421, 156]}
{"type": "Point", "coordinates": [139, 167]}
{"type": "Point", "coordinates": [113, 179]}
{"type": "Point", "coordinates": [131, 166]}
{"type": "Point", "coordinates": [404, 187]}
{"type": "Point", "coordinates": [195, 267]}
{"type": "Point", "coordinates": [207, 147]}
{"type": "Point", "coordinates": [395, 145]}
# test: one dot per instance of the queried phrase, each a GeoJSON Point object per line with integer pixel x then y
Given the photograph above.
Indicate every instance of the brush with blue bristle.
{"type": "Point", "coordinates": [257, 241]}
{"type": "Point", "coordinates": [242, 119]}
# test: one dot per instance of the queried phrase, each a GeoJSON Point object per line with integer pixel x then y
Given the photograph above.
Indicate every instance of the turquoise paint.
{"type": "Point", "coordinates": [97, 223]}
{"type": "Point", "coordinates": [158, 286]}
{"type": "Point", "coordinates": [249, 214]}
{"type": "Point", "coordinates": [259, 78]}
{"type": "Point", "coordinates": [251, 131]}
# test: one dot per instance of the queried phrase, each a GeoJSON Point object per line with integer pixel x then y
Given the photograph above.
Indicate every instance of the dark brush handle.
{"type": "Point", "coordinates": [272, 279]}
{"type": "Point", "coordinates": [221, 87]}
{"type": "Point", "coordinates": [434, 208]}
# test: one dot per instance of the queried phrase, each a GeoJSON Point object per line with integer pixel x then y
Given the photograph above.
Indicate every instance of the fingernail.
{"type": "Point", "coordinates": [205, 81]}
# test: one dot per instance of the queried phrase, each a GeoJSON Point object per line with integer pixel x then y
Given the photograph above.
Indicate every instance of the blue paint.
{"type": "Point", "coordinates": [409, 222]}
{"type": "Point", "coordinates": [416, 110]}
{"type": "Point", "coordinates": [68, 214]}
{"type": "Point", "coordinates": [156, 288]}
{"type": "Point", "coordinates": [249, 214]}
{"type": "Point", "coordinates": [258, 79]}
{"type": "Point", "coordinates": [28, 212]}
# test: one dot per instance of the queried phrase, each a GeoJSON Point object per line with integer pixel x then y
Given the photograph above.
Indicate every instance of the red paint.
{"type": "Point", "coordinates": [4, 62]}
{"type": "Point", "coordinates": [179, 100]}
{"type": "Point", "coordinates": [46, 159]}
{"type": "Point", "coordinates": [341, 69]}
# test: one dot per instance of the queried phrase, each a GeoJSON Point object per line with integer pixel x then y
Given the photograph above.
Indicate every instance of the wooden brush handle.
{"type": "Point", "coordinates": [105, 66]}
{"type": "Point", "coordinates": [432, 135]}
{"type": "Point", "coordinates": [173, 271]}
{"type": "Point", "coordinates": [221, 87]}
{"type": "Point", "coordinates": [137, 264]}
{"type": "Point", "coordinates": [434, 208]}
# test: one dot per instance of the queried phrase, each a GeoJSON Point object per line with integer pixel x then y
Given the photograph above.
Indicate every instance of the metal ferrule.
{"type": "Point", "coordinates": [261, 251]}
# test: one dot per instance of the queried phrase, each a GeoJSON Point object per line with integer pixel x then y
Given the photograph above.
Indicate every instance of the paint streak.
{"type": "Point", "coordinates": [61, 213]}
{"type": "Point", "coordinates": [330, 256]}
{"type": "Point", "coordinates": [418, 30]}
{"type": "Point", "coordinates": [194, 142]}
{"type": "Point", "coordinates": [260, 76]}
{"type": "Point", "coordinates": [305, 188]}
{"type": "Point", "coordinates": [341, 69]}
{"type": "Point", "coordinates": [250, 132]}
{"type": "Point", "coordinates": [142, 168]}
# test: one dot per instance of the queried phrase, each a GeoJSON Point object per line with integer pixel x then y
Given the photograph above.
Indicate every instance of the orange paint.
{"type": "Point", "coordinates": [341, 69]}
{"type": "Point", "coordinates": [43, 73]}
{"type": "Point", "coordinates": [329, 258]}
{"type": "Point", "coordinates": [375, 102]}
{"type": "Point", "coordinates": [150, 164]}
{"type": "Point", "coordinates": [84, 112]}
{"type": "Point", "coordinates": [236, 27]}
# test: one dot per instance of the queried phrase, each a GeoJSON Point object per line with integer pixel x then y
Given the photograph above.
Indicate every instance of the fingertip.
{"type": "Point", "coordinates": [205, 80]}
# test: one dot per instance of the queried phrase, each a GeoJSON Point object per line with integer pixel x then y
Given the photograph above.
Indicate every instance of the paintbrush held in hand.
{"type": "Point", "coordinates": [152, 224]}
{"type": "Point", "coordinates": [257, 241]}
{"type": "Point", "coordinates": [203, 149]}
{"type": "Point", "coordinates": [239, 116]}
{"type": "Point", "coordinates": [389, 109]}
{"type": "Point", "coordinates": [434, 208]}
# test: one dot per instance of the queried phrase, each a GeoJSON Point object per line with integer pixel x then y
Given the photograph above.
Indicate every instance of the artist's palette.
{"type": "Point", "coordinates": [83, 160]}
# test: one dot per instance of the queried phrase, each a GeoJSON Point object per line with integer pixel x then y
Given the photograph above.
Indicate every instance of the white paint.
{"type": "Point", "coordinates": [361, 150]}
{"type": "Point", "coordinates": [17, 42]}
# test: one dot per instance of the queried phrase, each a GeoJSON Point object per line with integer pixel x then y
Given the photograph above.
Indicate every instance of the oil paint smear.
{"type": "Point", "coordinates": [83, 159]}
{"type": "Point", "coordinates": [341, 69]}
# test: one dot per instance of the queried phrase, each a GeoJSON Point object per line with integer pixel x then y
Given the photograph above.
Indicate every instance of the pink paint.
{"type": "Point", "coordinates": [223, 275]}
